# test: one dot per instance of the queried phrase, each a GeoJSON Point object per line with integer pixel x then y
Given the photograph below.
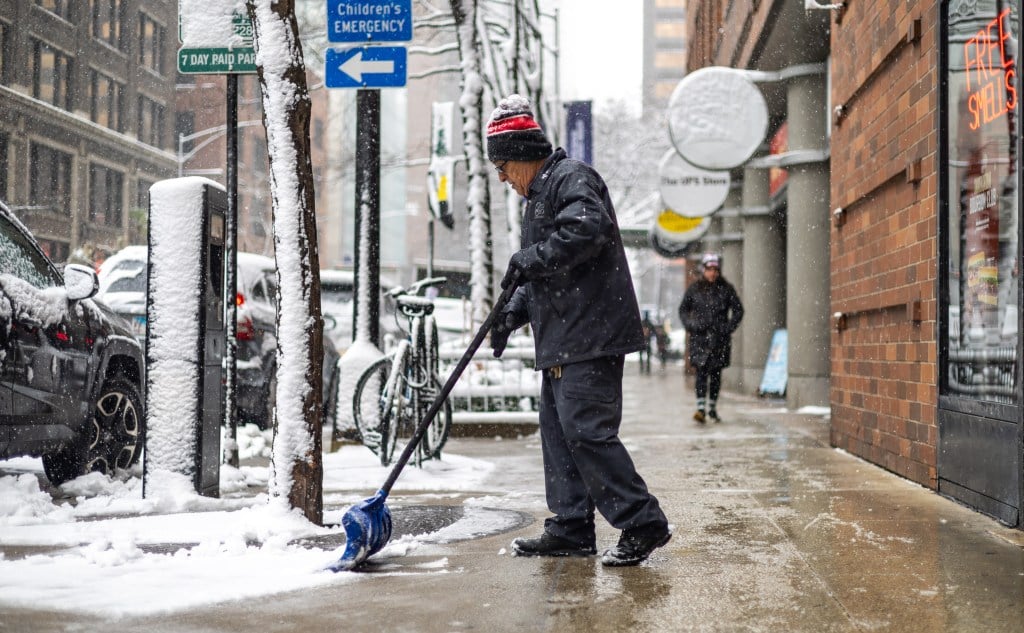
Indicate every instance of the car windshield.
{"type": "Point", "coordinates": [135, 283]}
{"type": "Point", "coordinates": [335, 293]}
{"type": "Point", "coordinates": [19, 257]}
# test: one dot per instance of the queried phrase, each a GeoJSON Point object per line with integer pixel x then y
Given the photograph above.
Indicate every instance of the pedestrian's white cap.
{"type": "Point", "coordinates": [711, 260]}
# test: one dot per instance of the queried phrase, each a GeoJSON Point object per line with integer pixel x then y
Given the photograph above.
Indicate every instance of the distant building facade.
{"type": "Point", "coordinates": [201, 112]}
{"type": "Point", "coordinates": [86, 118]}
{"type": "Point", "coordinates": [665, 46]}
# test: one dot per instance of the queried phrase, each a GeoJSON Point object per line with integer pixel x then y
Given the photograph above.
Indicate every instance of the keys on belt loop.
{"type": "Point", "coordinates": [556, 371]}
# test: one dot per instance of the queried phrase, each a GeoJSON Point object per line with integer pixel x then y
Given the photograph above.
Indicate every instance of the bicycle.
{"type": "Point", "coordinates": [394, 393]}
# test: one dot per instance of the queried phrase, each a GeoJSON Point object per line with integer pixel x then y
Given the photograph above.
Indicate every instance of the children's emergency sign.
{"type": "Point", "coordinates": [369, 20]}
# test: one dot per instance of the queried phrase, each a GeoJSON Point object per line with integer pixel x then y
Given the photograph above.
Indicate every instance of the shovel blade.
{"type": "Point", "coordinates": [367, 530]}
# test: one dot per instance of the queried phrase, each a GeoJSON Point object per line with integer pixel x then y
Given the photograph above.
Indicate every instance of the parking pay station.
{"type": "Point", "coordinates": [185, 333]}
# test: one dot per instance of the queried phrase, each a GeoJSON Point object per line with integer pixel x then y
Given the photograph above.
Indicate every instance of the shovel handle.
{"type": "Point", "coordinates": [449, 384]}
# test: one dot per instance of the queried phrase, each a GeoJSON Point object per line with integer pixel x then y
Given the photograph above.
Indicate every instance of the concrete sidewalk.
{"type": "Point", "coordinates": [774, 531]}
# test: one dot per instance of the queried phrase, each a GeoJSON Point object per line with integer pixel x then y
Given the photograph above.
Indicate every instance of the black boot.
{"type": "Point", "coordinates": [550, 545]}
{"type": "Point", "coordinates": [634, 547]}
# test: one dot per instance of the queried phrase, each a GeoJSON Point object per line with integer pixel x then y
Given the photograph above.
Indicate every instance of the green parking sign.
{"type": "Point", "coordinates": [206, 61]}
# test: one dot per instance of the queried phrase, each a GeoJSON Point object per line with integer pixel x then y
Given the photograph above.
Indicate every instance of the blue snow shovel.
{"type": "Point", "coordinates": [368, 523]}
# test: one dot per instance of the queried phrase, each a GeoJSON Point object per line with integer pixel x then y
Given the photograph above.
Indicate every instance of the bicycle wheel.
{"type": "Point", "coordinates": [429, 349]}
{"type": "Point", "coordinates": [426, 375]}
{"type": "Point", "coordinates": [366, 402]}
{"type": "Point", "coordinates": [380, 405]}
{"type": "Point", "coordinates": [437, 433]}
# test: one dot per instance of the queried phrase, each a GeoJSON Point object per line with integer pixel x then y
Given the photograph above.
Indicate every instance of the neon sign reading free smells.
{"type": "Point", "coordinates": [991, 75]}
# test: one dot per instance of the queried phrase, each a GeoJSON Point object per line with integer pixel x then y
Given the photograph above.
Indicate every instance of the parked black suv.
{"type": "Point", "coordinates": [71, 373]}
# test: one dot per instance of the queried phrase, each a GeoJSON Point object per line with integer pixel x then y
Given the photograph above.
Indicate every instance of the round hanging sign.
{"type": "Point", "coordinates": [717, 117]}
{"type": "Point", "coordinates": [688, 190]}
{"type": "Point", "coordinates": [670, 250]}
{"type": "Point", "coordinates": [673, 228]}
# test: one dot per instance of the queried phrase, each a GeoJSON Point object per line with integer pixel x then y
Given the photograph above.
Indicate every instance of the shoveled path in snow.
{"type": "Point", "coordinates": [774, 531]}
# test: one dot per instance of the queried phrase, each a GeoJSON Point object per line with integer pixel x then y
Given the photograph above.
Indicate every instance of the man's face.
{"type": "Point", "coordinates": [516, 173]}
{"type": "Point", "coordinates": [711, 273]}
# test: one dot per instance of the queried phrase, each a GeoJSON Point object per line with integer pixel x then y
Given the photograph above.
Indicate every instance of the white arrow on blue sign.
{"type": "Point", "coordinates": [366, 67]}
{"type": "Point", "coordinates": [369, 20]}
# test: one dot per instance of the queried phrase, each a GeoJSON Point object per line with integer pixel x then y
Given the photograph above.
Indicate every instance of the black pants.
{"type": "Point", "coordinates": [585, 463]}
{"type": "Point", "coordinates": [709, 383]}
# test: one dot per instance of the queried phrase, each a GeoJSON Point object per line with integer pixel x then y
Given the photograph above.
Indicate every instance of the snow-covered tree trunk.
{"type": "Point", "coordinates": [297, 468]}
{"type": "Point", "coordinates": [467, 28]}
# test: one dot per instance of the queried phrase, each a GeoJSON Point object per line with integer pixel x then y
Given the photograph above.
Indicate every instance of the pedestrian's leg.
{"type": "Point", "coordinates": [564, 487]}
{"type": "Point", "coordinates": [702, 390]}
{"type": "Point", "coordinates": [589, 402]}
{"type": "Point", "coordinates": [714, 385]}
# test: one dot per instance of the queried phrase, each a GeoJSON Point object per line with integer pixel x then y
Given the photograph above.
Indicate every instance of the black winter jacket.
{"type": "Point", "coordinates": [710, 312]}
{"type": "Point", "coordinates": [578, 296]}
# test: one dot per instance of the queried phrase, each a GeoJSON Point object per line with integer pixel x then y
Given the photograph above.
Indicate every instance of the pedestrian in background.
{"type": "Point", "coordinates": [710, 311]}
{"type": "Point", "coordinates": [645, 351]}
{"type": "Point", "coordinates": [577, 294]}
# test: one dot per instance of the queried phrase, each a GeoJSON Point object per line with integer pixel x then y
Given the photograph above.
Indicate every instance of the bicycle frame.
{"type": "Point", "coordinates": [409, 384]}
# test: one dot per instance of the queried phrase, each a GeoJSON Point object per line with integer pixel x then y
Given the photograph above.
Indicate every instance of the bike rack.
{"type": "Point", "coordinates": [495, 395]}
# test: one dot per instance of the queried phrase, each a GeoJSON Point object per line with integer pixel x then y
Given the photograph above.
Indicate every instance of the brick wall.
{"type": "Point", "coordinates": [884, 249]}
{"type": "Point", "coordinates": [884, 246]}
{"type": "Point", "coordinates": [725, 33]}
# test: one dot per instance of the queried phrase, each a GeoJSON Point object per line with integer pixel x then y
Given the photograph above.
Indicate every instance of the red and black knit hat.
{"type": "Point", "coordinates": [513, 133]}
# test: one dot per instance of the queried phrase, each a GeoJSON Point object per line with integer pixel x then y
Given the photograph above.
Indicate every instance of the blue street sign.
{"type": "Point", "coordinates": [369, 20]}
{"type": "Point", "coordinates": [366, 67]}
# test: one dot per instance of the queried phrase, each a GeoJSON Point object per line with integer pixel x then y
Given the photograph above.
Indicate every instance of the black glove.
{"type": "Point", "coordinates": [514, 272]}
{"type": "Point", "coordinates": [500, 332]}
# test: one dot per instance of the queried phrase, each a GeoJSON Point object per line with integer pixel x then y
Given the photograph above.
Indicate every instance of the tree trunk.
{"type": "Point", "coordinates": [297, 468]}
{"type": "Point", "coordinates": [481, 273]}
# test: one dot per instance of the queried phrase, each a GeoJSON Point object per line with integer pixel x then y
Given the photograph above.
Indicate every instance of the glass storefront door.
{"type": "Point", "coordinates": [979, 458]}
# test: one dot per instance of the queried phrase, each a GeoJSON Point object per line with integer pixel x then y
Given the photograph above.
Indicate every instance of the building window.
{"type": "Point", "coordinates": [3, 167]}
{"type": "Point", "coordinates": [318, 133]}
{"type": "Point", "coordinates": [105, 21]}
{"type": "Point", "coordinates": [105, 101]}
{"type": "Point", "coordinates": [184, 125]}
{"type": "Point", "coordinates": [51, 75]}
{"type": "Point", "coordinates": [57, 7]}
{"type": "Point", "coordinates": [151, 122]}
{"type": "Point", "coordinates": [151, 44]}
{"type": "Point", "coordinates": [105, 189]}
{"type": "Point", "coordinates": [138, 217]}
{"type": "Point", "coordinates": [5, 35]}
{"type": "Point", "coordinates": [982, 212]}
{"type": "Point", "coordinates": [50, 179]}
{"type": "Point", "coordinates": [56, 251]}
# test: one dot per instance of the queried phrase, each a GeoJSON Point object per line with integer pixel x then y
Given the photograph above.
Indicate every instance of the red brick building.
{"type": "Point", "coordinates": [913, 216]}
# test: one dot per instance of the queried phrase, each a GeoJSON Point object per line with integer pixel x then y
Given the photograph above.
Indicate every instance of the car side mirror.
{"type": "Point", "coordinates": [80, 282]}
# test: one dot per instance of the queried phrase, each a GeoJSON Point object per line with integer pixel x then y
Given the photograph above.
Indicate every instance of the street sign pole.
{"type": "Point", "coordinates": [367, 67]}
{"type": "Point", "coordinates": [230, 271]}
{"type": "Point", "coordinates": [368, 203]}
{"type": "Point", "coordinates": [213, 49]}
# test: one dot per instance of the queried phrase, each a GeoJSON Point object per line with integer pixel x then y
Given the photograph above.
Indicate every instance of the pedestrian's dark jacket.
{"type": "Point", "coordinates": [710, 312]}
{"type": "Point", "coordinates": [579, 297]}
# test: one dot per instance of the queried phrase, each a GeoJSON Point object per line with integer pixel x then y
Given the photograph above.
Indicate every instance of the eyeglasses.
{"type": "Point", "coordinates": [501, 168]}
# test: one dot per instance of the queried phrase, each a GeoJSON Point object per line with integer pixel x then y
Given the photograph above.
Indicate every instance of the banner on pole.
{"type": "Point", "coordinates": [441, 173]}
{"type": "Point", "coordinates": [579, 131]}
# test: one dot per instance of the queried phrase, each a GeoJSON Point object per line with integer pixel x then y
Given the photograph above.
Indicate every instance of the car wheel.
{"type": "Point", "coordinates": [111, 439]}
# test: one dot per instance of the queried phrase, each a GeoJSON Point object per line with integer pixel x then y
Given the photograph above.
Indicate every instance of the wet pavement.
{"type": "Point", "coordinates": [773, 531]}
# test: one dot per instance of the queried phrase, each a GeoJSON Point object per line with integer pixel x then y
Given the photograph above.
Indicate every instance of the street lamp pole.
{"type": "Point", "coordinates": [213, 133]}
